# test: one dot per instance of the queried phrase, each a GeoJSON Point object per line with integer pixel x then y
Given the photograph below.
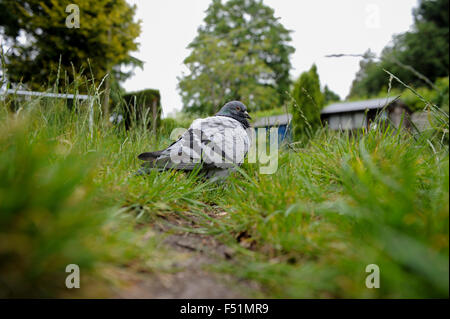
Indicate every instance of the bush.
{"type": "Point", "coordinates": [138, 108]}
{"type": "Point", "coordinates": [442, 96]}
{"type": "Point", "coordinates": [438, 96]}
{"type": "Point", "coordinates": [308, 101]}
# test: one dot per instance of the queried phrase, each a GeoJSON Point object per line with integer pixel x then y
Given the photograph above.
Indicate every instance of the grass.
{"type": "Point", "coordinates": [68, 195]}
{"type": "Point", "coordinates": [266, 113]}
{"type": "Point", "coordinates": [341, 204]}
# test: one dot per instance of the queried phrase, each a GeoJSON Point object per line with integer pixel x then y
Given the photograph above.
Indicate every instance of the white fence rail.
{"type": "Point", "coordinates": [60, 96]}
{"type": "Point", "coordinates": [45, 94]}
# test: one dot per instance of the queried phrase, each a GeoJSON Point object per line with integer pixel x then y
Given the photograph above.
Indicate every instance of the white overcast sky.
{"type": "Point", "coordinates": [320, 27]}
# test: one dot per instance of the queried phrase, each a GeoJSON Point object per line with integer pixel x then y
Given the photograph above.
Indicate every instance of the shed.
{"type": "Point", "coordinates": [281, 121]}
{"type": "Point", "coordinates": [359, 114]}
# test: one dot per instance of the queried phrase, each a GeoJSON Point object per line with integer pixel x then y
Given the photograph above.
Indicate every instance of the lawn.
{"type": "Point", "coordinates": [69, 195]}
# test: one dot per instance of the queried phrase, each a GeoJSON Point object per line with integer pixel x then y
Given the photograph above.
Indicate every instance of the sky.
{"type": "Point", "coordinates": [319, 28]}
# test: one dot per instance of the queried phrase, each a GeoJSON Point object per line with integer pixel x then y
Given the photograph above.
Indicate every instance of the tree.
{"type": "Point", "coordinates": [309, 101]}
{"type": "Point", "coordinates": [101, 44]}
{"type": "Point", "coordinates": [329, 96]}
{"type": "Point", "coordinates": [370, 79]}
{"type": "Point", "coordinates": [419, 57]}
{"type": "Point", "coordinates": [225, 73]}
{"type": "Point", "coordinates": [241, 52]}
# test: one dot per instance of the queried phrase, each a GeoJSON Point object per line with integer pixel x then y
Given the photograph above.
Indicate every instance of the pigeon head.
{"type": "Point", "coordinates": [236, 110]}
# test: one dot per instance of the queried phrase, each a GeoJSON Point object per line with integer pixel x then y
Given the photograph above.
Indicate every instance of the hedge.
{"type": "Point", "coordinates": [139, 103]}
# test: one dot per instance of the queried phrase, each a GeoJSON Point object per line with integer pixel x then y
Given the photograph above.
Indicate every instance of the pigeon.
{"type": "Point", "coordinates": [215, 145]}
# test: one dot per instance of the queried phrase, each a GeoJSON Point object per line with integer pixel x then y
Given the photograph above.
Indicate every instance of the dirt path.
{"type": "Point", "coordinates": [190, 278]}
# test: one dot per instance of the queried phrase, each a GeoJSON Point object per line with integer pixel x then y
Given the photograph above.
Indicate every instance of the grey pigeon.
{"type": "Point", "coordinates": [215, 145]}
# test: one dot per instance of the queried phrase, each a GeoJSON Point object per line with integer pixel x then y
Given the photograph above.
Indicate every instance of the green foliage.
{"type": "Point", "coordinates": [148, 96]}
{"type": "Point", "coordinates": [240, 53]}
{"type": "Point", "coordinates": [341, 204]}
{"type": "Point", "coordinates": [266, 113]}
{"type": "Point", "coordinates": [442, 98]}
{"type": "Point", "coordinates": [168, 125]}
{"type": "Point", "coordinates": [369, 80]}
{"type": "Point", "coordinates": [139, 107]}
{"type": "Point", "coordinates": [438, 96]}
{"type": "Point", "coordinates": [308, 101]}
{"type": "Point", "coordinates": [68, 195]}
{"type": "Point", "coordinates": [54, 52]}
{"type": "Point", "coordinates": [55, 204]}
{"type": "Point", "coordinates": [45, 219]}
{"type": "Point", "coordinates": [423, 51]}
{"type": "Point", "coordinates": [329, 96]}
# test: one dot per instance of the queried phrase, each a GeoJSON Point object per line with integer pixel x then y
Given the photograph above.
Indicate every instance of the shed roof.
{"type": "Point", "coordinates": [357, 105]}
{"type": "Point", "coordinates": [274, 120]}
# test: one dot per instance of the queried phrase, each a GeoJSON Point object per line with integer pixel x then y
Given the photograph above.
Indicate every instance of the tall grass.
{"type": "Point", "coordinates": [69, 195]}
{"type": "Point", "coordinates": [61, 177]}
{"type": "Point", "coordinates": [341, 204]}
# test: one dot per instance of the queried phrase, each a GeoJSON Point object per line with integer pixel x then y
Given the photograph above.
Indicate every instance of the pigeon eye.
{"type": "Point", "coordinates": [238, 108]}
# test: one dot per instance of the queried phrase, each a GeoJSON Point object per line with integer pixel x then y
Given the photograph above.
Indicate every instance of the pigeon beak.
{"type": "Point", "coordinates": [246, 115]}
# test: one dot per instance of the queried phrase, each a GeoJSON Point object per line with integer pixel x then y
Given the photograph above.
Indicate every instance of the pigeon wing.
{"type": "Point", "coordinates": [213, 142]}
{"type": "Point", "coordinates": [228, 144]}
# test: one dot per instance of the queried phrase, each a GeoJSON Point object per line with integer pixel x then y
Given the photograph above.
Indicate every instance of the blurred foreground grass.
{"type": "Point", "coordinates": [68, 196]}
